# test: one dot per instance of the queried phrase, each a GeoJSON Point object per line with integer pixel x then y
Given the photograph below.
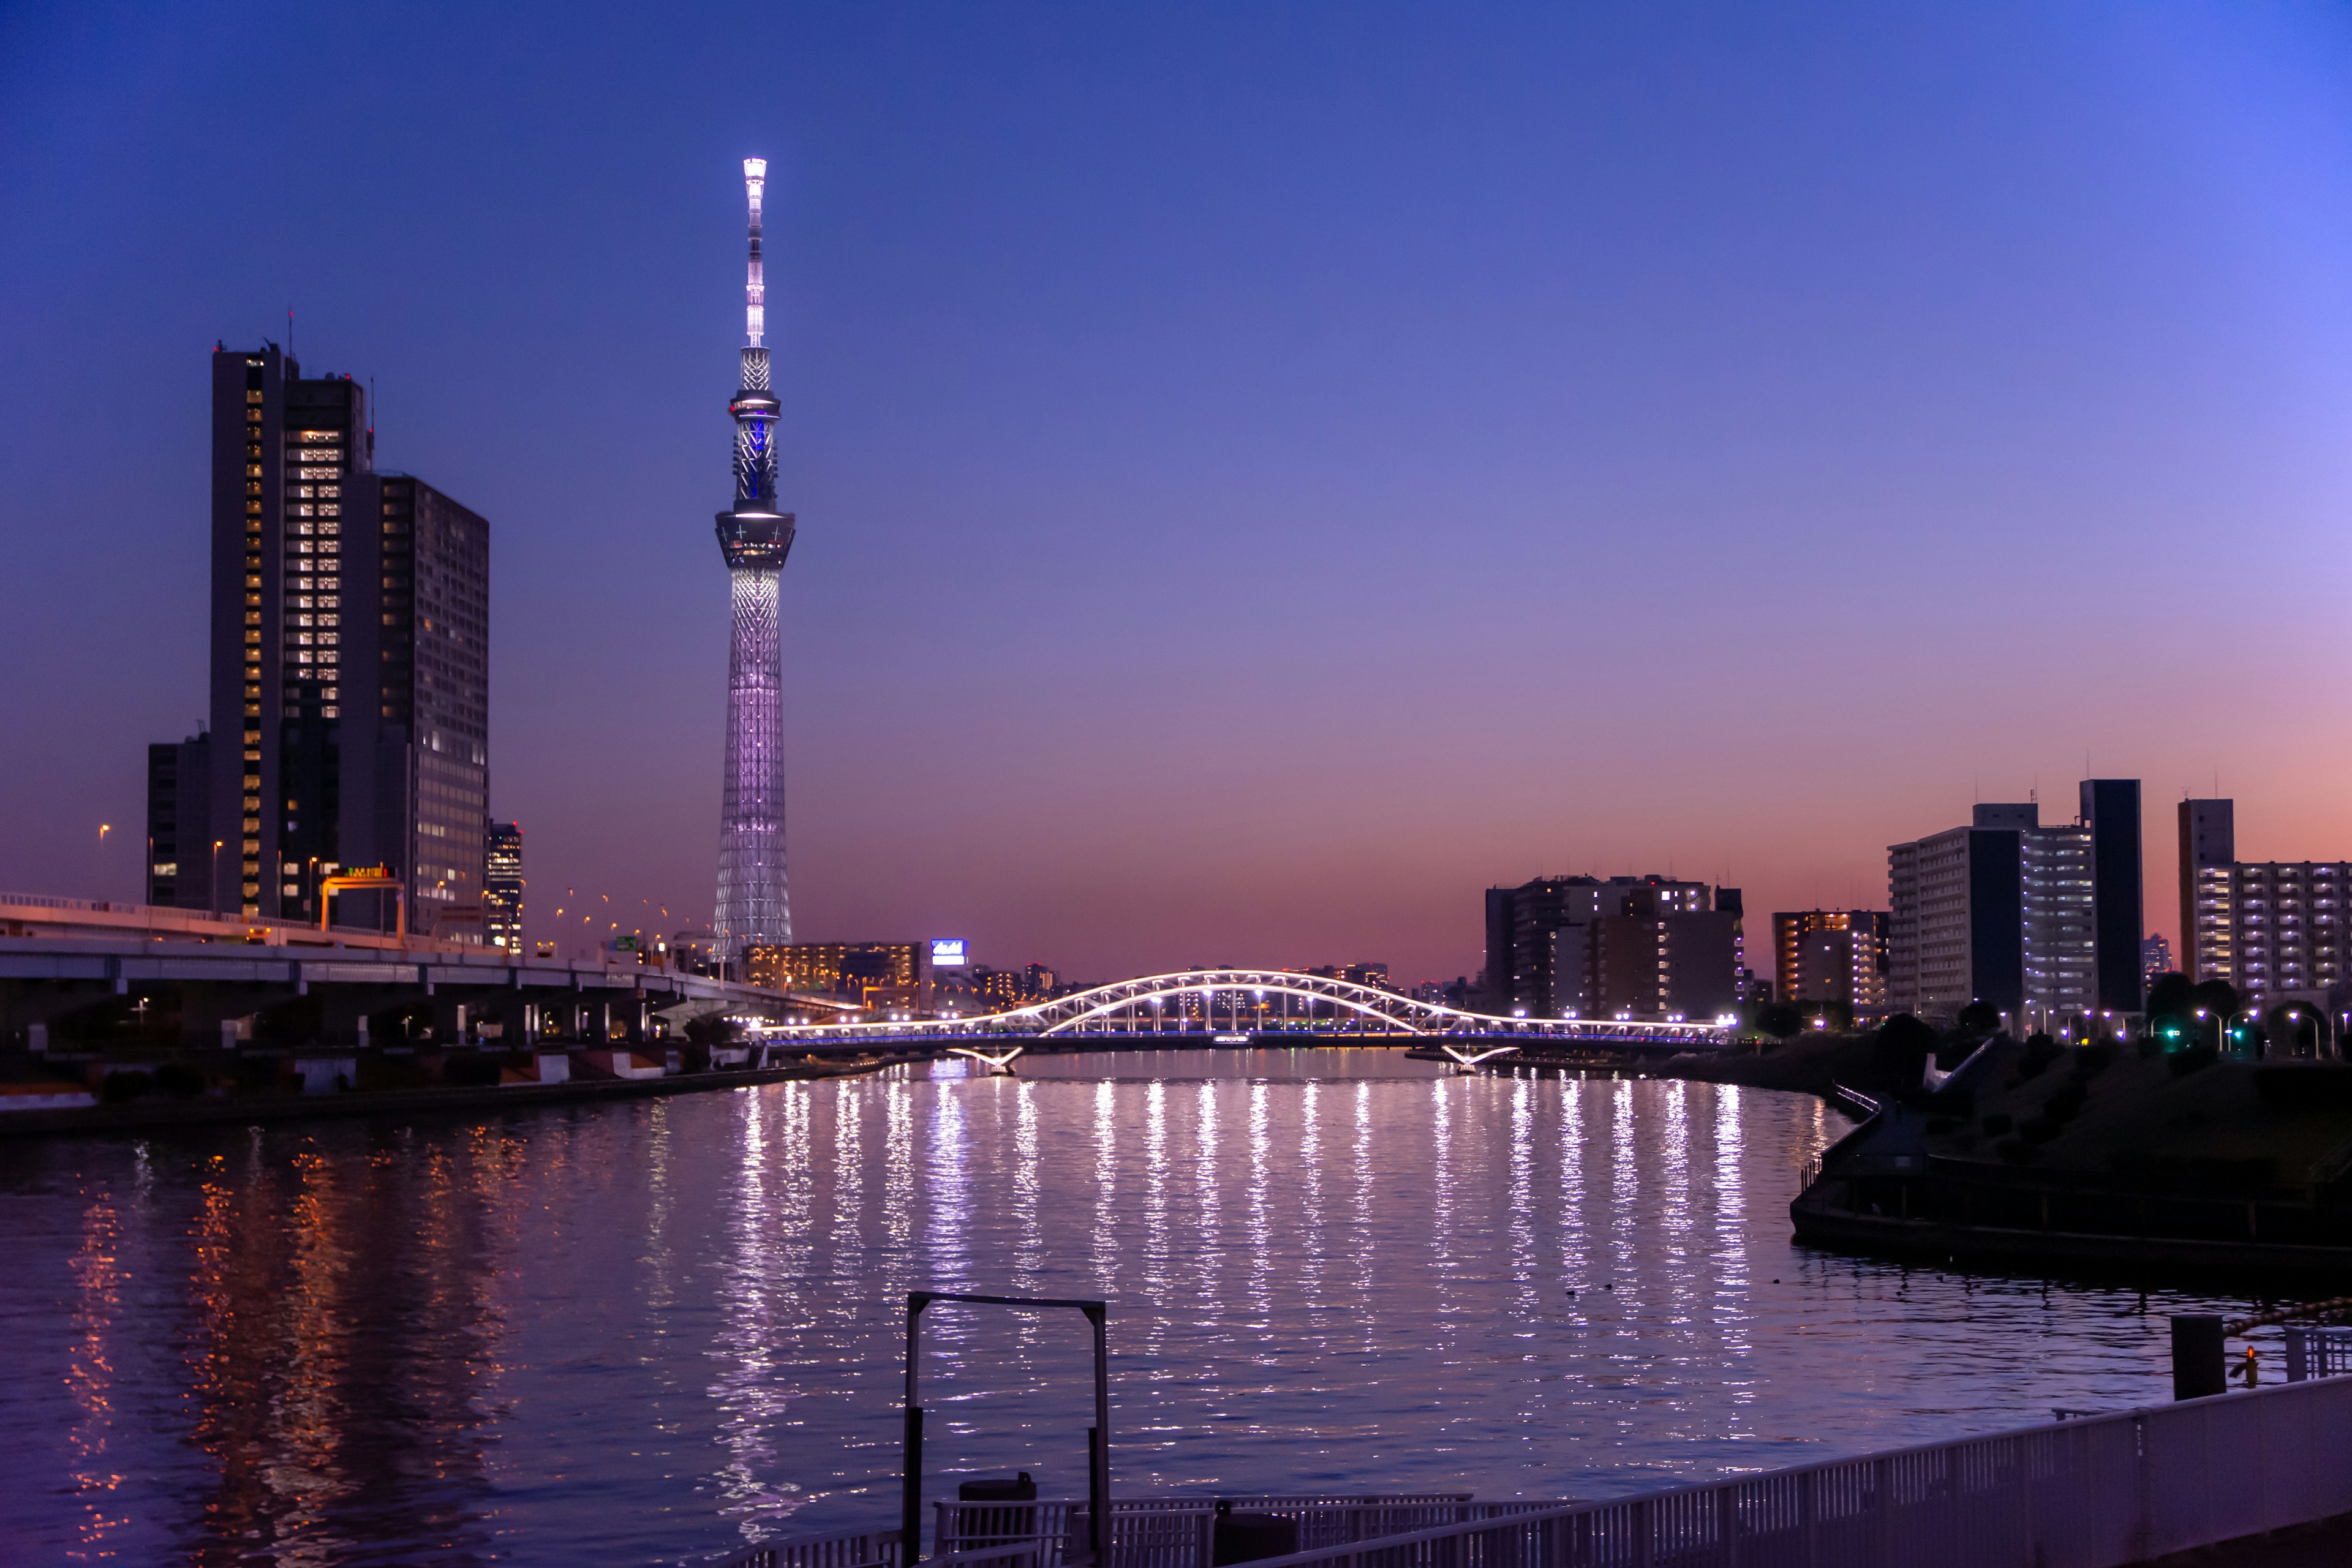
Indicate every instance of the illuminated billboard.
{"type": "Point", "coordinates": [947, 953]}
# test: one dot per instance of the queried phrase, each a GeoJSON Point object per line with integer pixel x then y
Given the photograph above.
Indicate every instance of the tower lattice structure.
{"type": "Point", "coordinates": [754, 905]}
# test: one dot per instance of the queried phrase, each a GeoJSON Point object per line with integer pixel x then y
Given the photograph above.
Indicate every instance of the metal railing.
{"type": "Point", "coordinates": [2318, 1353]}
{"type": "Point", "coordinates": [875, 1549]}
{"type": "Point", "coordinates": [1180, 1531]}
{"type": "Point", "coordinates": [2102, 1491]}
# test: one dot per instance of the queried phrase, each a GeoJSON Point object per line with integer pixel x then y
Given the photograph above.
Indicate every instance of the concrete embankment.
{"type": "Point", "coordinates": [156, 1113]}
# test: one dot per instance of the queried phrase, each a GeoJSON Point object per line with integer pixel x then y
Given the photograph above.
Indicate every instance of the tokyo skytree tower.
{"type": "Point", "coordinates": [754, 906]}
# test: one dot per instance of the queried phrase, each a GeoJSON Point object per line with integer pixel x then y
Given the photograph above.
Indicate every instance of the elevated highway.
{"type": "Point", "coordinates": [219, 977]}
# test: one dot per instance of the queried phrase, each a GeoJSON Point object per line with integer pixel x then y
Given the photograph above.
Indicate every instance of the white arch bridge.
{"type": "Point", "coordinates": [1207, 1003]}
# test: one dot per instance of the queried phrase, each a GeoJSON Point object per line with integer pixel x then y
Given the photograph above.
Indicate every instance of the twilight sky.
{"type": "Point", "coordinates": [1264, 472]}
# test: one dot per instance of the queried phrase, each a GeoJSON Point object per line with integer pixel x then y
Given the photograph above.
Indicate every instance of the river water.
{"type": "Point", "coordinates": [650, 1330]}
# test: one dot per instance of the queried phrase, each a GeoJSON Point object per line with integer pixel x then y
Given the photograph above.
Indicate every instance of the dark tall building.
{"type": "Point", "coordinates": [502, 886]}
{"type": "Point", "coordinates": [179, 854]}
{"type": "Point", "coordinates": [319, 633]}
{"type": "Point", "coordinates": [2111, 812]}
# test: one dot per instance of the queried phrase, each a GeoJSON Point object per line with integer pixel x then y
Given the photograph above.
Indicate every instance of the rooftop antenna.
{"type": "Point", "coordinates": [755, 288]}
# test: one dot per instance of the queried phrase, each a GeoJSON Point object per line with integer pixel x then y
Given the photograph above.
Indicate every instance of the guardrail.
{"type": "Point", "coordinates": [2102, 1491]}
{"type": "Point", "coordinates": [1180, 1531]}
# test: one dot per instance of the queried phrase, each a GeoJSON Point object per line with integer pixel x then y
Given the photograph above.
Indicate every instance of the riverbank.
{"type": "Point", "coordinates": [155, 1113]}
{"type": "Point", "coordinates": [1815, 1063]}
{"type": "Point", "coordinates": [2112, 1157]}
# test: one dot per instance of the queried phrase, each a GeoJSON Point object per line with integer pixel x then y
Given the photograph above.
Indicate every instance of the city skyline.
{"type": "Point", "coordinates": [1204, 562]}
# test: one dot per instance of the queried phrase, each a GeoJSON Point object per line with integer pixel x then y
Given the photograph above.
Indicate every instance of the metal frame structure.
{"type": "Point", "coordinates": [367, 883]}
{"type": "Point", "coordinates": [911, 1519]}
{"type": "Point", "coordinates": [754, 903]}
{"type": "Point", "coordinates": [1093, 1011]}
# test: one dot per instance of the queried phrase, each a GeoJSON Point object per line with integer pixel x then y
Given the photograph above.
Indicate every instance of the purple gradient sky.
{"type": "Point", "coordinates": [1265, 473]}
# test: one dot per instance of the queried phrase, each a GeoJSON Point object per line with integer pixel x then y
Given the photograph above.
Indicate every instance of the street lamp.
{"type": "Point", "coordinates": [103, 829]}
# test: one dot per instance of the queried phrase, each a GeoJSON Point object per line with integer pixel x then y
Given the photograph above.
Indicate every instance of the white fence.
{"type": "Point", "coordinates": [2105, 1491]}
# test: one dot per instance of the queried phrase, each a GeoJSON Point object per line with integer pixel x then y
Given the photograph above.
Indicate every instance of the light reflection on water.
{"type": "Point", "coordinates": [648, 1330]}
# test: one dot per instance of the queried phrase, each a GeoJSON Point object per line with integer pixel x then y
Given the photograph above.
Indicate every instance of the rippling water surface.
{"type": "Point", "coordinates": [651, 1331]}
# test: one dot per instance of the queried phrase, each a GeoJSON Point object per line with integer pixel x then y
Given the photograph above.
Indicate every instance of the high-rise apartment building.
{"type": "Point", "coordinates": [1831, 956]}
{"type": "Point", "coordinates": [1552, 951]}
{"type": "Point", "coordinates": [2059, 945]}
{"type": "Point", "coordinates": [2208, 850]}
{"type": "Point", "coordinates": [349, 612]}
{"type": "Point", "coordinates": [2275, 929]}
{"type": "Point", "coordinates": [2001, 912]}
{"type": "Point", "coordinates": [502, 886]}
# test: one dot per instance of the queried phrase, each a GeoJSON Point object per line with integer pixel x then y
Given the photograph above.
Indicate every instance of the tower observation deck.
{"type": "Point", "coordinates": [754, 906]}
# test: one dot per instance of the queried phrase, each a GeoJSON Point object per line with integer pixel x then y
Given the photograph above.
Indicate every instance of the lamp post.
{"type": "Point", "coordinates": [2228, 1021]}
{"type": "Point", "coordinates": [103, 829]}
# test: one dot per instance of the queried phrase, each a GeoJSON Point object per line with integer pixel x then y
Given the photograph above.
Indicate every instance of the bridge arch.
{"type": "Point", "coordinates": [1096, 1005]}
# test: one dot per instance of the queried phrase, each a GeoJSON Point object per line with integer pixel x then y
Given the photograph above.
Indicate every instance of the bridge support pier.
{"type": "Point", "coordinates": [343, 1015]}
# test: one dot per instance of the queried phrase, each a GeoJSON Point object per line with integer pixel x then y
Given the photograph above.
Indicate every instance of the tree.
{"type": "Point", "coordinates": [1979, 1018]}
{"type": "Point", "coordinates": [2171, 997]}
{"type": "Point", "coordinates": [1780, 1019]}
{"type": "Point", "coordinates": [1902, 1049]}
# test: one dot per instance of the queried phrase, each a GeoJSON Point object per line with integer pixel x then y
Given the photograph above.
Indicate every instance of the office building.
{"type": "Point", "coordinates": [871, 974]}
{"type": "Point", "coordinates": [349, 681]}
{"type": "Point", "coordinates": [502, 886]}
{"type": "Point", "coordinates": [1831, 956]}
{"type": "Point", "coordinates": [2278, 931]}
{"type": "Point", "coordinates": [2110, 810]}
{"type": "Point", "coordinates": [2154, 958]}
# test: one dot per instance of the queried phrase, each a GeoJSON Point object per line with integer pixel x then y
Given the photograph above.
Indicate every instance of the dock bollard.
{"type": "Point", "coordinates": [2196, 1357]}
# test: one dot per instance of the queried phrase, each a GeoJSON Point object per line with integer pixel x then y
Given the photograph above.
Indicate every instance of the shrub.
{"type": "Point", "coordinates": [180, 1079]}
{"type": "Point", "coordinates": [1997, 1123]}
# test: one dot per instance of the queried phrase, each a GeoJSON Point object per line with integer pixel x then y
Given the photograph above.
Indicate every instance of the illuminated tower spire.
{"type": "Point", "coordinates": [754, 906]}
